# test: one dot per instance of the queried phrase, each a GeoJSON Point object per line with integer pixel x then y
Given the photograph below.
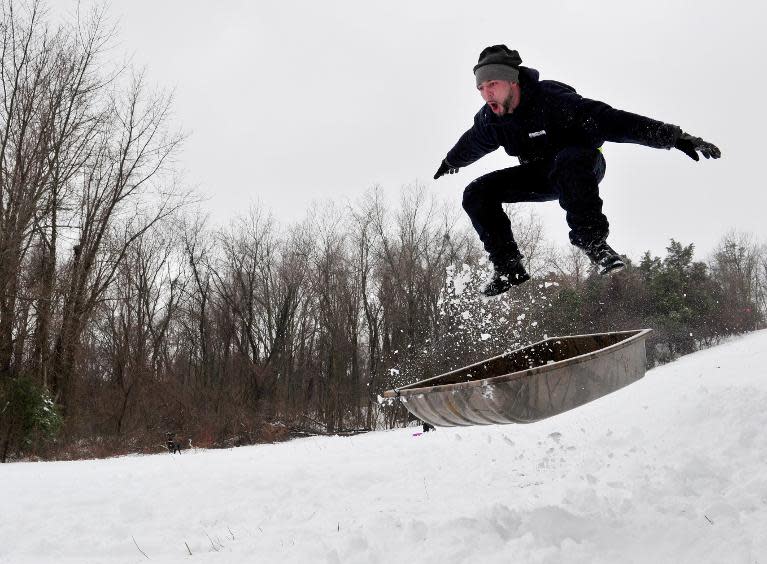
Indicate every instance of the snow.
{"type": "Point", "coordinates": [669, 469]}
{"type": "Point", "coordinates": [460, 279]}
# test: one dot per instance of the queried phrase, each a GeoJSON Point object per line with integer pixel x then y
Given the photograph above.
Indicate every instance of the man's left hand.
{"type": "Point", "coordinates": [690, 146]}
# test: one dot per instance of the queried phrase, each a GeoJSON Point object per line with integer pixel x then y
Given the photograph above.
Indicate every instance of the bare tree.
{"type": "Point", "coordinates": [570, 264]}
{"type": "Point", "coordinates": [198, 251]}
{"type": "Point", "coordinates": [362, 234]}
{"type": "Point", "coordinates": [736, 266]}
{"type": "Point", "coordinates": [261, 296]}
{"type": "Point", "coordinates": [134, 320]}
{"type": "Point", "coordinates": [121, 196]}
{"type": "Point", "coordinates": [763, 280]}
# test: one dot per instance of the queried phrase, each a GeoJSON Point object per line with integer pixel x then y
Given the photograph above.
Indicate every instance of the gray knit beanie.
{"type": "Point", "coordinates": [497, 62]}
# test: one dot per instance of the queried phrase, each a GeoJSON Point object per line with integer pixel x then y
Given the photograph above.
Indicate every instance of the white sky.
{"type": "Point", "coordinates": [288, 102]}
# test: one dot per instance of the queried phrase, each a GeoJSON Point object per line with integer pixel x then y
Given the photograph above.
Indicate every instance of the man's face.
{"type": "Point", "coordinates": [501, 95]}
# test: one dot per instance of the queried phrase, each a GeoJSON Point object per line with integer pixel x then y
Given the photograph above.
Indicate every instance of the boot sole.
{"type": "Point", "coordinates": [615, 267]}
{"type": "Point", "coordinates": [517, 282]}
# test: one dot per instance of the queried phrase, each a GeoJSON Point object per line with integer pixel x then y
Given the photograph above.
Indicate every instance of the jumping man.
{"type": "Point", "coordinates": [556, 134]}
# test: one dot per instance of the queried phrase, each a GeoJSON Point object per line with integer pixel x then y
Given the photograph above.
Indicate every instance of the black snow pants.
{"type": "Point", "coordinates": [571, 176]}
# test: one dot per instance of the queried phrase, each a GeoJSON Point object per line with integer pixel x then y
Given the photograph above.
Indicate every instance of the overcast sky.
{"type": "Point", "coordinates": [287, 102]}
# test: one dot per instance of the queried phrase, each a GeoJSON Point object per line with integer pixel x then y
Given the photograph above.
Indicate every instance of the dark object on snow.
{"type": "Point", "coordinates": [529, 384]}
{"type": "Point", "coordinates": [174, 446]}
{"type": "Point", "coordinates": [428, 427]}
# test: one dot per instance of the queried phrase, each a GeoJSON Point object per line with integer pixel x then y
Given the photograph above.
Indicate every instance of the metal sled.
{"type": "Point", "coordinates": [531, 383]}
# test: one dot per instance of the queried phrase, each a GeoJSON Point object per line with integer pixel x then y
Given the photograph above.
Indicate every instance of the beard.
{"type": "Point", "coordinates": [503, 107]}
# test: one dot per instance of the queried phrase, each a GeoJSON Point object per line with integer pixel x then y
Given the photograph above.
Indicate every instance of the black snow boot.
{"type": "Point", "coordinates": [604, 257]}
{"type": "Point", "coordinates": [507, 273]}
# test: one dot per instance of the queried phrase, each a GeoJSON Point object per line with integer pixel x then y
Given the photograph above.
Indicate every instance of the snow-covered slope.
{"type": "Point", "coordinates": [670, 469]}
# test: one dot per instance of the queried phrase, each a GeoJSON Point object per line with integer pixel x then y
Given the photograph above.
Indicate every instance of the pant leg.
{"type": "Point", "coordinates": [483, 201]}
{"type": "Point", "coordinates": [575, 175]}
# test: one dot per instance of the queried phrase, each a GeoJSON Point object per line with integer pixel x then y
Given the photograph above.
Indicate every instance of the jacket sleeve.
{"type": "Point", "coordinates": [602, 122]}
{"type": "Point", "coordinates": [474, 144]}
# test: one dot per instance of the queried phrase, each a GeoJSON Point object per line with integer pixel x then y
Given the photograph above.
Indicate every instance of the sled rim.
{"type": "Point", "coordinates": [423, 387]}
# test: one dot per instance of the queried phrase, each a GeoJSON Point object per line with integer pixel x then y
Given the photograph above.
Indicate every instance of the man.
{"type": "Point", "coordinates": [557, 136]}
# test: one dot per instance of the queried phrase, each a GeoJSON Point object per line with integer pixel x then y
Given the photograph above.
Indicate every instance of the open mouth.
{"type": "Point", "coordinates": [494, 106]}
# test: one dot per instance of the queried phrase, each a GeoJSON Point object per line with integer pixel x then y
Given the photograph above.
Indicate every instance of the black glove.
{"type": "Point", "coordinates": [445, 168]}
{"type": "Point", "coordinates": [689, 145]}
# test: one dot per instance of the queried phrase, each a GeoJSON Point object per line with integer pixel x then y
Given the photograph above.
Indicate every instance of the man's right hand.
{"type": "Point", "coordinates": [445, 168]}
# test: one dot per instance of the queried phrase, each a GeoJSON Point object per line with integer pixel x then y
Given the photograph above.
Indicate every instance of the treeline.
{"type": "Point", "coordinates": [124, 314]}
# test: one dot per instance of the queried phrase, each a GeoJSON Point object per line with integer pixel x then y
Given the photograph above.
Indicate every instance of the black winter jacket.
{"type": "Point", "coordinates": [551, 116]}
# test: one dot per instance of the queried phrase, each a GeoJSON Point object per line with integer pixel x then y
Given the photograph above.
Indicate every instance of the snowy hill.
{"type": "Point", "coordinates": [670, 469]}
